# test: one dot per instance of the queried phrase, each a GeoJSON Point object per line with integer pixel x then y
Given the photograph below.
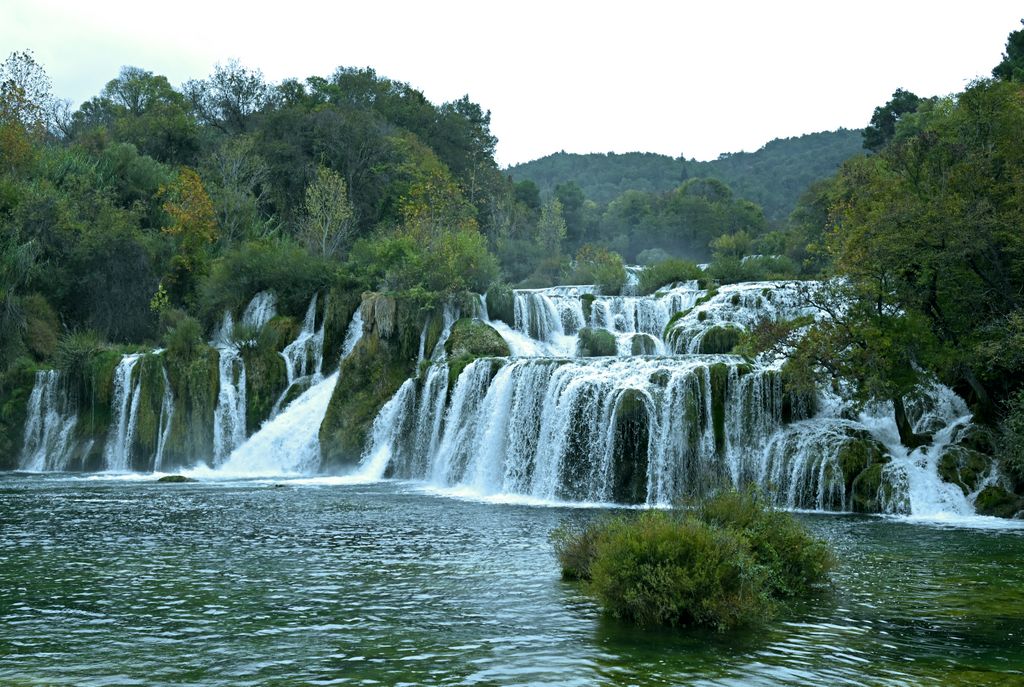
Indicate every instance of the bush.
{"type": "Point", "coordinates": [725, 564]}
{"type": "Point", "coordinates": [652, 256]}
{"type": "Point", "coordinates": [658, 569]}
{"type": "Point", "coordinates": [732, 270]}
{"type": "Point", "coordinates": [1011, 449]}
{"type": "Point", "coordinates": [280, 266]}
{"type": "Point", "coordinates": [667, 272]}
{"type": "Point", "coordinates": [795, 561]}
{"type": "Point", "coordinates": [600, 266]}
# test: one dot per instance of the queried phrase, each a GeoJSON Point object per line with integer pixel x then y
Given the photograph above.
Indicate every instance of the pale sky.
{"type": "Point", "coordinates": [692, 78]}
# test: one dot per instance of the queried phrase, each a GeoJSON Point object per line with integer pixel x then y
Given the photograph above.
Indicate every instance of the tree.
{"type": "Point", "coordinates": [25, 95]}
{"type": "Point", "coordinates": [882, 127]}
{"type": "Point", "coordinates": [230, 97]}
{"type": "Point", "coordinates": [193, 225]}
{"type": "Point", "coordinates": [238, 188]}
{"type": "Point", "coordinates": [551, 229]}
{"type": "Point", "coordinates": [1012, 66]}
{"type": "Point", "coordinates": [329, 225]}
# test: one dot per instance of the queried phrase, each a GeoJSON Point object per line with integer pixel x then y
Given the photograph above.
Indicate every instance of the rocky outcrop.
{"type": "Point", "coordinates": [594, 343]}
{"type": "Point", "coordinates": [383, 359]}
{"type": "Point", "coordinates": [471, 339]}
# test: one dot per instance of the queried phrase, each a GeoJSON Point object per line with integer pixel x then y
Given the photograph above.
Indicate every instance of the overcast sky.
{"type": "Point", "coordinates": [692, 78]}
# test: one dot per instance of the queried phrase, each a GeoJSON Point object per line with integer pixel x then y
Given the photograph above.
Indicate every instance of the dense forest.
{"type": "Point", "coordinates": [773, 177]}
{"type": "Point", "coordinates": [143, 215]}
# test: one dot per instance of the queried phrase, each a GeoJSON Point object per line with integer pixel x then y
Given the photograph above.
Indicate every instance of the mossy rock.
{"type": "Point", "coordinates": [661, 378]}
{"type": "Point", "coordinates": [92, 388]}
{"type": "Point", "coordinates": [475, 338]}
{"type": "Point", "coordinates": [371, 375]}
{"type": "Point", "coordinates": [594, 343]}
{"type": "Point", "coordinates": [175, 479]}
{"type": "Point", "coordinates": [282, 329]}
{"type": "Point", "coordinates": [643, 344]}
{"type": "Point", "coordinates": [587, 303]}
{"type": "Point", "coordinates": [501, 304]}
{"type": "Point", "coordinates": [340, 306]}
{"type": "Point", "coordinates": [856, 455]}
{"type": "Point", "coordinates": [871, 490]}
{"type": "Point", "coordinates": [16, 385]}
{"type": "Point", "coordinates": [149, 373]}
{"type": "Point", "coordinates": [797, 403]}
{"type": "Point", "coordinates": [720, 339]}
{"type": "Point", "coordinates": [979, 438]}
{"type": "Point", "coordinates": [964, 467]}
{"type": "Point", "coordinates": [266, 378]}
{"type": "Point", "coordinates": [719, 387]}
{"type": "Point", "coordinates": [997, 501]}
{"type": "Point", "coordinates": [667, 334]}
{"type": "Point", "coordinates": [629, 455]}
{"type": "Point", "coordinates": [195, 383]}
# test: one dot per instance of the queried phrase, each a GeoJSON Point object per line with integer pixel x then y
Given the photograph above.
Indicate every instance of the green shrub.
{"type": "Point", "coordinates": [658, 569]}
{"type": "Point", "coordinates": [600, 266]}
{"type": "Point", "coordinates": [667, 272]}
{"type": "Point", "coordinates": [281, 266]}
{"type": "Point", "coordinates": [795, 562]}
{"type": "Point", "coordinates": [725, 564]}
{"type": "Point", "coordinates": [1011, 448]}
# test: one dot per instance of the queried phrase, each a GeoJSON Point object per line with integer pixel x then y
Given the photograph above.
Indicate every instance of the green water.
{"type": "Point", "coordinates": [108, 582]}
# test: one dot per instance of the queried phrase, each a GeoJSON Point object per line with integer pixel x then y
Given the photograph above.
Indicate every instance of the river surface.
{"type": "Point", "coordinates": [313, 582]}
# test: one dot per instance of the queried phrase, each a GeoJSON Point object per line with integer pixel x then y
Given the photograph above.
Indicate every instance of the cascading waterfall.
{"type": "Point", "coordinates": [651, 429]}
{"type": "Point", "coordinates": [166, 416]}
{"type": "Point", "coordinates": [261, 309]}
{"type": "Point", "coordinates": [49, 426]}
{"type": "Point", "coordinates": [288, 443]}
{"type": "Point", "coordinates": [229, 414]}
{"type": "Point", "coordinates": [554, 316]}
{"type": "Point", "coordinates": [124, 409]}
{"type": "Point", "coordinates": [303, 357]}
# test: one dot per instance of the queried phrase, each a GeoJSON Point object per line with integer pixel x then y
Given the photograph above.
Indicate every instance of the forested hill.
{"type": "Point", "coordinates": [773, 177]}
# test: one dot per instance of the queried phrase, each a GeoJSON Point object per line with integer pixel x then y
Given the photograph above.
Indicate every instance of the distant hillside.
{"type": "Point", "coordinates": [773, 177]}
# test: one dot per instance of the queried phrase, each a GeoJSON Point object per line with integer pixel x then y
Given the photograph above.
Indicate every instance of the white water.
{"type": "Point", "coordinates": [229, 414]}
{"type": "Point", "coordinates": [124, 409]}
{"type": "Point", "coordinates": [49, 426]}
{"type": "Point", "coordinates": [166, 417]}
{"type": "Point", "coordinates": [303, 357]}
{"type": "Point", "coordinates": [261, 309]}
{"type": "Point", "coordinates": [289, 443]}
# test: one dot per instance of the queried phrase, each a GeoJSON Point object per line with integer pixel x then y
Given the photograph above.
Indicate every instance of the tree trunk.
{"type": "Point", "coordinates": [907, 435]}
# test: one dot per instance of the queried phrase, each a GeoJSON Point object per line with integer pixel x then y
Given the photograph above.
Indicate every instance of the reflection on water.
{"type": "Point", "coordinates": [111, 582]}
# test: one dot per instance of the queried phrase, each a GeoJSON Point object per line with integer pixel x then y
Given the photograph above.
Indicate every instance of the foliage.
{"type": "Point", "coordinates": [724, 565]}
{"type": "Point", "coordinates": [1011, 447]}
{"type": "Point", "coordinates": [329, 226]}
{"type": "Point", "coordinates": [600, 266]}
{"type": "Point", "coordinates": [882, 128]}
{"type": "Point", "coordinates": [773, 177]}
{"type": "Point", "coordinates": [667, 272]}
{"type": "Point", "coordinates": [1011, 68]}
{"type": "Point", "coordinates": [270, 265]}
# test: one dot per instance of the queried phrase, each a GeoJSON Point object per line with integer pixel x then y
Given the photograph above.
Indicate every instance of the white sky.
{"type": "Point", "coordinates": [697, 78]}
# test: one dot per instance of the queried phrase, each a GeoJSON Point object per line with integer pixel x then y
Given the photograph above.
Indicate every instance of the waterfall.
{"type": "Point", "coordinates": [387, 426]}
{"type": "Point", "coordinates": [49, 425]}
{"type": "Point", "coordinates": [229, 414]}
{"type": "Point", "coordinates": [740, 307]}
{"type": "Point", "coordinates": [289, 443]}
{"type": "Point", "coordinates": [303, 357]}
{"type": "Point", "coordinates": [261, 309]}
{"type": "Point", "coordinates": [166, 416]}
{"type": "Point", "coordinates": [550, 428]}
{"type": "Point", "coordinates": [124, 409]}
